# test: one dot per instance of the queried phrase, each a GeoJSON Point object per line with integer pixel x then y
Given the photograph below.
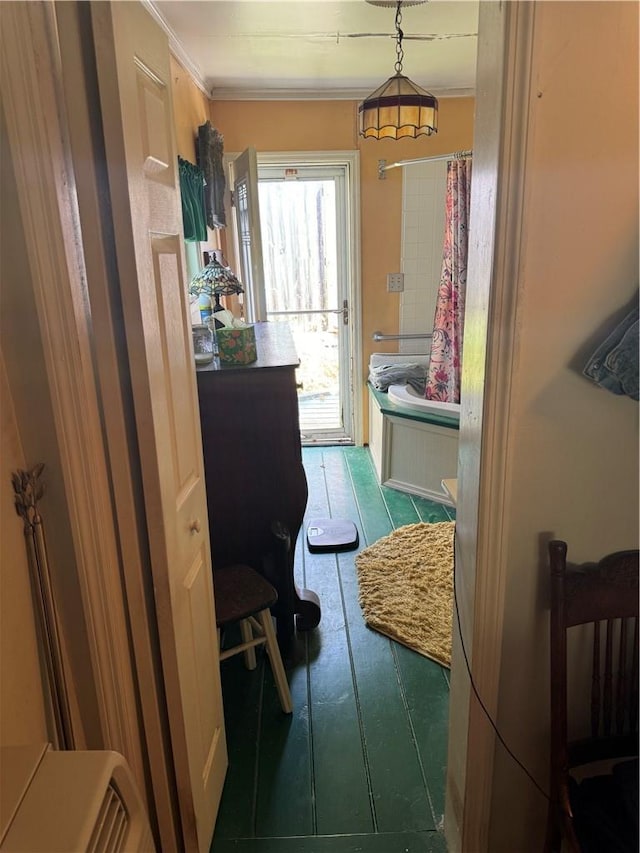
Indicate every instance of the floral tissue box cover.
{"type": "Point", "coordinates": [237, 346]}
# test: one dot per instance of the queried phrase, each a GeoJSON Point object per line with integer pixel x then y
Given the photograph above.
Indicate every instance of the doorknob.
{"type": "Point", "coordinates": [344, 311]}
{"type": "Point", "coordinates": [194, 526]}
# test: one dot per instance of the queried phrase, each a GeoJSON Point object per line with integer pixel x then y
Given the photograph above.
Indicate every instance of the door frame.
{"type": "Point", "coordinates": [351, 161]}
{"type": "Point", "coordinates": [342, 178]}
{"type": "Point", "coordinates": [504, 94]}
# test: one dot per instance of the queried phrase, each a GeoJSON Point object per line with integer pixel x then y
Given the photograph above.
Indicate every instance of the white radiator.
{"type": "Point", "coordinates": [70, 802]}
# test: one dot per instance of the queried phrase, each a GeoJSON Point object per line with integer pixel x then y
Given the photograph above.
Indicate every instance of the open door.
{"type": "Point", "coordinates": [249, 241]}
{"type": "Point", "coordinates": [132, 58]}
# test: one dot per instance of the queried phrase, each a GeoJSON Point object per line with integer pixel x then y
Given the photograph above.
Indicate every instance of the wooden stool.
{"type": "Point", "coordinates": [244, 596]}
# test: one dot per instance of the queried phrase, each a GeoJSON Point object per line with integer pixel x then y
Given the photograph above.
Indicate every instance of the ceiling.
{"type": "Point", "coordinates": [241, 49]}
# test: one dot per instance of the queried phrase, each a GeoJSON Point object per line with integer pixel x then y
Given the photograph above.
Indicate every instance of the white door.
{"type": "Point", "coordinates": [249, 245]}
{"type": "Point", "coordinates": [296, 247]}
{"type": "Point", "coordinates": [305, 247]}
{"type": "Point", "coordinates": [135, 98]}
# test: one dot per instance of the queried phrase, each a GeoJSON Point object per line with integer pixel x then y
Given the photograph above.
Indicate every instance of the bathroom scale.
{"type": "Point", "coordinates": [331, 534]}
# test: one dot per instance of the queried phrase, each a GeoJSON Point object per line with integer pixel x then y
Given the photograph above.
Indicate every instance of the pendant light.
{"type": "Point", "coordinates": [399, 108]}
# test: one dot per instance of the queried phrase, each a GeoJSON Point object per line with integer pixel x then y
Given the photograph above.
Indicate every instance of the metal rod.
{"type": "Point", "coordinates": [28, 490]}
{"type": "Point", "coordinates": [305, 311]}
{"type": "Point", "coordinates": [378, 336]}
{"type": "Point", "coordinates": [456, 155]}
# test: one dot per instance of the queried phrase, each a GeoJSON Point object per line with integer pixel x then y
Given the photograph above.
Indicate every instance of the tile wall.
{"type": "Point", "coordinates": [423, 214]}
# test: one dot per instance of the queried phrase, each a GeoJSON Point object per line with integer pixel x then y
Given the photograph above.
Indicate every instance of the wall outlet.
{"type": "Point", "coordinates": [395, 282]}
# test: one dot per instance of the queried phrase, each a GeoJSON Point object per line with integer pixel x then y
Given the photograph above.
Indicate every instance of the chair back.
{"type": "Point", "coordinates": [604, 596]}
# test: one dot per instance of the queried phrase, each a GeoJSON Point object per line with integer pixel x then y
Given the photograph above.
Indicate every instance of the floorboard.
{"type": "Point", "coordinates": [394, 842]}
{"type": "Point", "coordinates": [360, 764]}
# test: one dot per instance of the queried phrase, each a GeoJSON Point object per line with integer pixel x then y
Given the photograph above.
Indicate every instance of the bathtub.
{"type": "Point", "coordinates": [405, 395]}
{"type": "Point", "coordinates": [413, 441]}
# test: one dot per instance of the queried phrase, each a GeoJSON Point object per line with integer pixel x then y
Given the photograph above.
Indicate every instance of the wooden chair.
{"type": "Point", "coordinates": [604, 595]}
{"type": "Point", "coordinates": [245, 597]}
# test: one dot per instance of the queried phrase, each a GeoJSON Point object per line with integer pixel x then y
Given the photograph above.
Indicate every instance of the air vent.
{"type": "Point", "coordinates": [75, 800]}
{"type": "Point", "coordinates": [111, 824]}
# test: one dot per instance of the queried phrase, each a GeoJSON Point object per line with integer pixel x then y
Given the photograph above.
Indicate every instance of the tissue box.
{"type": "Point", "coordinates": [237, 346]}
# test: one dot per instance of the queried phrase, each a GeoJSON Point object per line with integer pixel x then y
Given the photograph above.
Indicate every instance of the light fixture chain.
{"type": "Point", "coordinates": [399, 37]}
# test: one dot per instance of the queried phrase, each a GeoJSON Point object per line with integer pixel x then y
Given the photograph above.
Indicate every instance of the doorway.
{"type": "Point", "coordinates": [306, 279]}
{"type": "Point", "coordinates": [306, 256]}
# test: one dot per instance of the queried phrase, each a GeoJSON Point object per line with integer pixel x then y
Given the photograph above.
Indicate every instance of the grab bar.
{"type": "Point", "coordinates": [378, 336]}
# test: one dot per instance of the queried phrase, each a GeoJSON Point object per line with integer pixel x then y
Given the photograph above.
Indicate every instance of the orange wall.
{"type": "Point", "coordinates": [333, 125]}
{"type": "Point", "coordinates": [190, 110]}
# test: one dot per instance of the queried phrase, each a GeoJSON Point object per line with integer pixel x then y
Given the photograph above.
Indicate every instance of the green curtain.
{"type": "Point", "coordinates": [193, 207]}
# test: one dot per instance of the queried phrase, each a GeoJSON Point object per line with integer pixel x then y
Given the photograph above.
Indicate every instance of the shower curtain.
{"type": "Point", "coordinates": [443, 375]}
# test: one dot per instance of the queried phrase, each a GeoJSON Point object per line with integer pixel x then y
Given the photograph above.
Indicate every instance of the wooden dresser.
{"type": "Point", "coordinates": [256, 485]}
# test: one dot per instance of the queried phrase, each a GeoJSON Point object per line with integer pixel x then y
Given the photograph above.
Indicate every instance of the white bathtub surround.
{"type": "Point", "coordinates": [413, 448]}
{"type": "Point", "coordinates": [409, 452]}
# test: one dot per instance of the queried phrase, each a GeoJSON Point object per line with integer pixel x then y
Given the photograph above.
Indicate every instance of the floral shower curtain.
{"type": "Point", "coordinates": [443, 376]}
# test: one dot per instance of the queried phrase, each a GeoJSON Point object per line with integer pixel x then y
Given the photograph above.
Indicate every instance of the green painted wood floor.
{"type": "Point", "coordinates": [360, 764]}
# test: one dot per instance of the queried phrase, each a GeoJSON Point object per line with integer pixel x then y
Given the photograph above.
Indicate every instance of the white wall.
{"type": "Point", "coordinates": [423, 218]}
{"type": "Point", "coordinates": [572, 447]}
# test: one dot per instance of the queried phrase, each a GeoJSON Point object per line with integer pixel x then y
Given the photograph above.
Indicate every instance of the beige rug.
{"type": "Point", "coordinates": [406, 587]}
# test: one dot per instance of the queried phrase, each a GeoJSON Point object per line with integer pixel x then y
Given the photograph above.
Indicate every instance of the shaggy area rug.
{"type": "Point", "coordinates": [406, 587]}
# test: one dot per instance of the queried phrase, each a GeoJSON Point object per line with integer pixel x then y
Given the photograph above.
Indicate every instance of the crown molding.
{"type": "Point", "coordinates": [176, 47]}
{"type": "Point", "coordinates": [231, 94]}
